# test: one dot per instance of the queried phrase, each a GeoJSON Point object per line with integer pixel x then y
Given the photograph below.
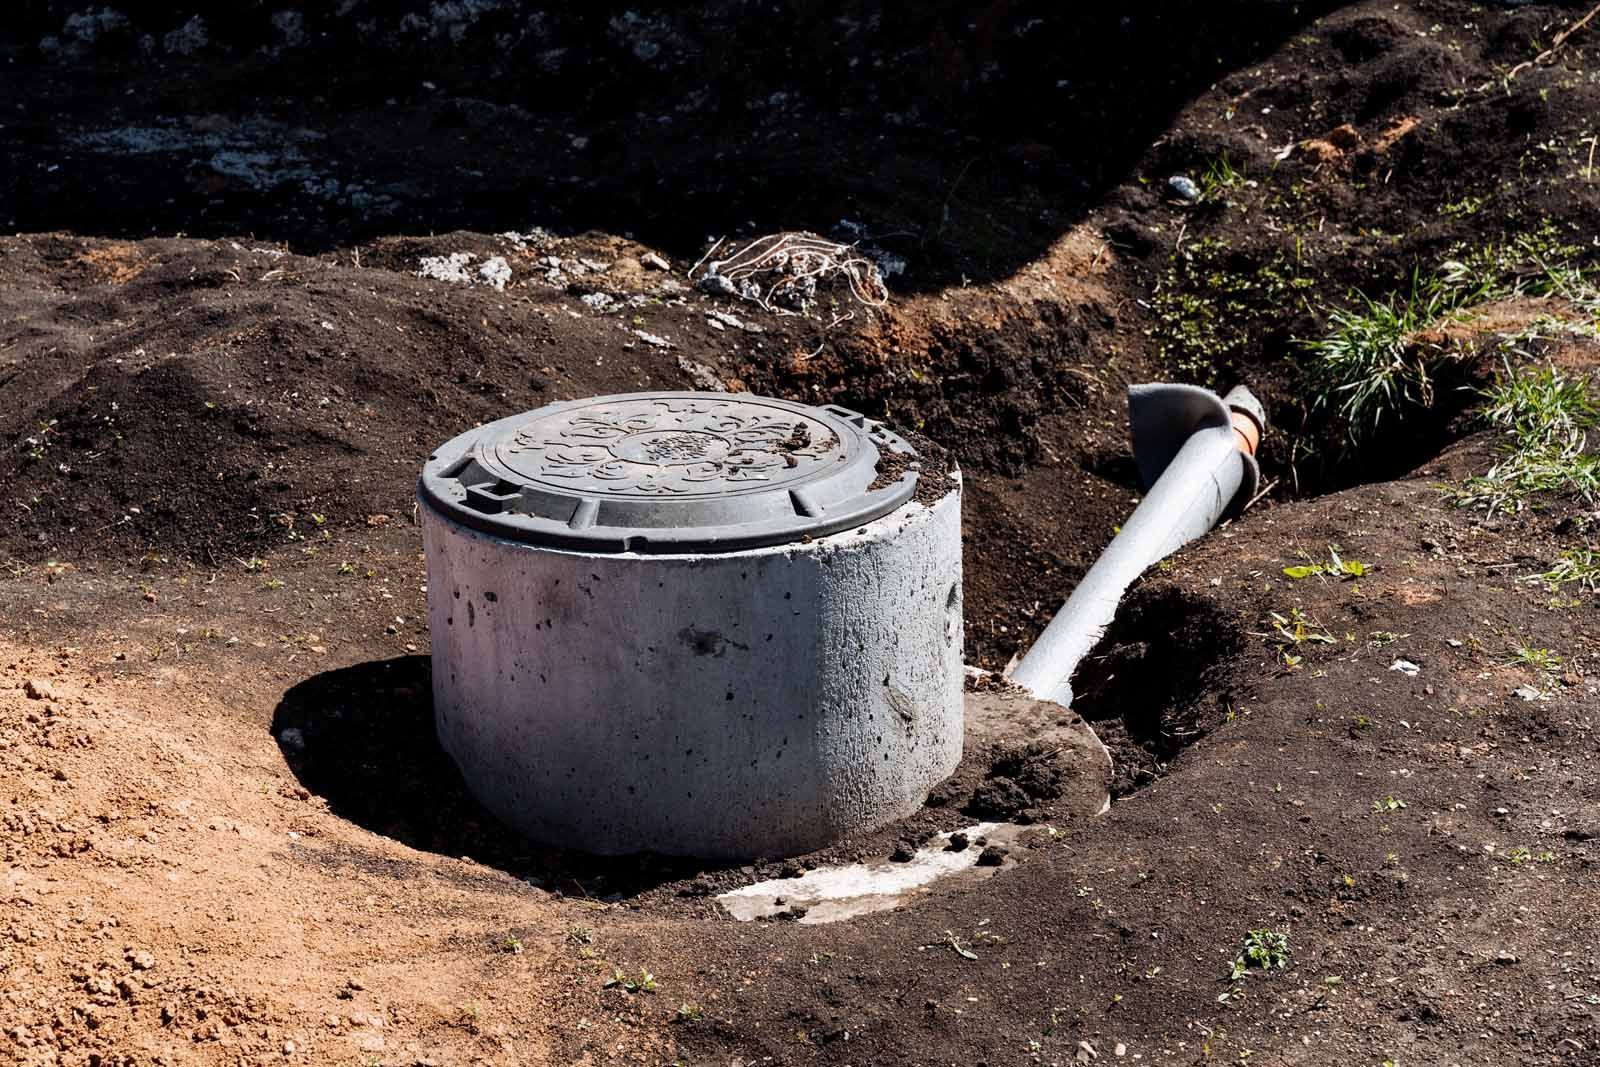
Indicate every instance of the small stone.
{"type": "Point", "coordinates": [1504, 958]}
{"type": "Point", "coordinates": [1121, 1049]}
{"type": "Point", "coordinates": [288, 1048]}
{"type": "Point", "coordinates": [654, 262]}
{"type": "Point", "coordinates": [958, 842]}
{"type": "Point", "coordinates": [992, 856]}
{"type": "Point", "coordinates": [903, 853]}
{"type": "Point", "coordinates": [1183, 188]}
{"type": "Point", "coordinates": [717, 285]}
{"type": "Point", "coordinates": [143, 961]}
{"type": "Point", "coordinates": [39, 689]}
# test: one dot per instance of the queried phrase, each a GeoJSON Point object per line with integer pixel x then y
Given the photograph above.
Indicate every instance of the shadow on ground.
{"type": "Point", "coordinates": [961, 137]}
{"type": "Point", "coordinates": [362, 738]}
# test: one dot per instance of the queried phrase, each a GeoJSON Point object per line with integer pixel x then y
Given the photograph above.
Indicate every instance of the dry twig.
{"type": "Point", "coordinates": [1555, 45]}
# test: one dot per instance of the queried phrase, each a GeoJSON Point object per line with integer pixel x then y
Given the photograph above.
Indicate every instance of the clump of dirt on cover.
{"type": "Point", "coordinates": [931, 460]}
{"type": "Point", "coordinates": [1020, 779]}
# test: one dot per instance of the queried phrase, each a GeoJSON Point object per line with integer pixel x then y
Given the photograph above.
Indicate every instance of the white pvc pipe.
{"type": "Point", "coordinates": [1196, 488]}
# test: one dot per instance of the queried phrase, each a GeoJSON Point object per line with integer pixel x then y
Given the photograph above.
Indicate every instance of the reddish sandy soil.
{"type": "Point", "coordinates": [218, 379]}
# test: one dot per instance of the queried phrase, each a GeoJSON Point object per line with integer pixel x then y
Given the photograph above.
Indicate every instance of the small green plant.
{"type": "Point", "coordinates": [688, 1013]}
{"type": "Point", "coordinates": [1539, 659]}
{"type": "Point", "coordinates": [512, 944]}
{"type": "Point", "coordinates": [1388, 804]}
{"type": "Point", "coordinates": [1380, 356]}
{"type": "Point", "coordinates": [1336, 567]}
{"type": "Point", "coordinates": [646, 982]}
{"type": "Point", "coordinates": [253, 564]}
{"type": "Point", "coordinates": [1298, 628]}
{"type": "Point", "coordinates": [580, 935]}
{"type": "Point", "coordinates": [1220, 175]}
{"type": "Point", "coordinates": [272, 583]}
{"type": "Point", "coordinates": [1464, 208]}
{"type": "Point", "coordinates": [1263, 950]}
{"type": "Point", "coordinates": [1581, 565]}
{"type": "Point", "coordinates": [1543, 417]}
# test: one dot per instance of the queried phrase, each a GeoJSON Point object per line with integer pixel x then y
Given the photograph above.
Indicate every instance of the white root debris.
{"type": "Point", "coordinates": [780, 272]}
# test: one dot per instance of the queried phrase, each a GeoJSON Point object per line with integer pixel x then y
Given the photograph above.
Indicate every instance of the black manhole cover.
{"type": "Point", "coordinates": [667, 472]}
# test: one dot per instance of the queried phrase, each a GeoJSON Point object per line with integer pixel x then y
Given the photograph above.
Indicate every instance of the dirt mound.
{"type": "Point", "coordinates": [214, 401]}
{"type": "Point", "coordinates": [235, 398]}
{"type": "Point", "coordinates": [1019, 779]}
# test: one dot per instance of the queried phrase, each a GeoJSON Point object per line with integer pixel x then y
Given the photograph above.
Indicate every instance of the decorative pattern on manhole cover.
{"type": "Point", "coordinates": [657, 446]}
{"type": "Point", "coordinates": [670, 472]}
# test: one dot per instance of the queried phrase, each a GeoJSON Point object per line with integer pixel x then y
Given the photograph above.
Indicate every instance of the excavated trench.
{"type": "Point", "coordinates": [1149, 688]}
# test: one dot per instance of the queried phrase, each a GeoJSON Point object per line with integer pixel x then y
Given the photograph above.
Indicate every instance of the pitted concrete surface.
{"type": "Point", "coordinates": [756, 703]}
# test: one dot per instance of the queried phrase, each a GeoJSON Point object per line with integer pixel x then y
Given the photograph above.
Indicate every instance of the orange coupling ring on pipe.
{"type": "Point", "coordinates": [1247, 430]}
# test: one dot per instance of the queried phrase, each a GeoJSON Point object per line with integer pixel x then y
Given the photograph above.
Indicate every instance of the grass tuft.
{"type": "Point", "coordinates": [1380, 357]}
{"type": "Point", "coordinates": [1544, 417]}
{"type": "Point", "coordinates": [1581, 565]}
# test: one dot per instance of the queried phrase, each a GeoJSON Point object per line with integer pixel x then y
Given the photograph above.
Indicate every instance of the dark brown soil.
{"type": "Point", "coordinates": [220, 372]}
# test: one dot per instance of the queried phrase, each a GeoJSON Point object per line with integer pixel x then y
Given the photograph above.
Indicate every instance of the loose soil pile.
{"type": "Point", "coordinates": [228, 339]}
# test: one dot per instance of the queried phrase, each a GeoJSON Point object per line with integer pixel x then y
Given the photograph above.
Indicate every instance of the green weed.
{"type": "Point", "coordinates": [1380, 356]}
{"type": "Point", "coordinates": [1263, 950]}
{"type": "Point", "coordinates": [1581, 565]}
{"type": "Point", "coordinates": [1336, 567]}
{"type": "Point", "coordinates": [1539, 659]}
{"type": "Point", "coordinates": [1221, 175]}
{"type": "Point", "coordinates": [1543, 417]}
